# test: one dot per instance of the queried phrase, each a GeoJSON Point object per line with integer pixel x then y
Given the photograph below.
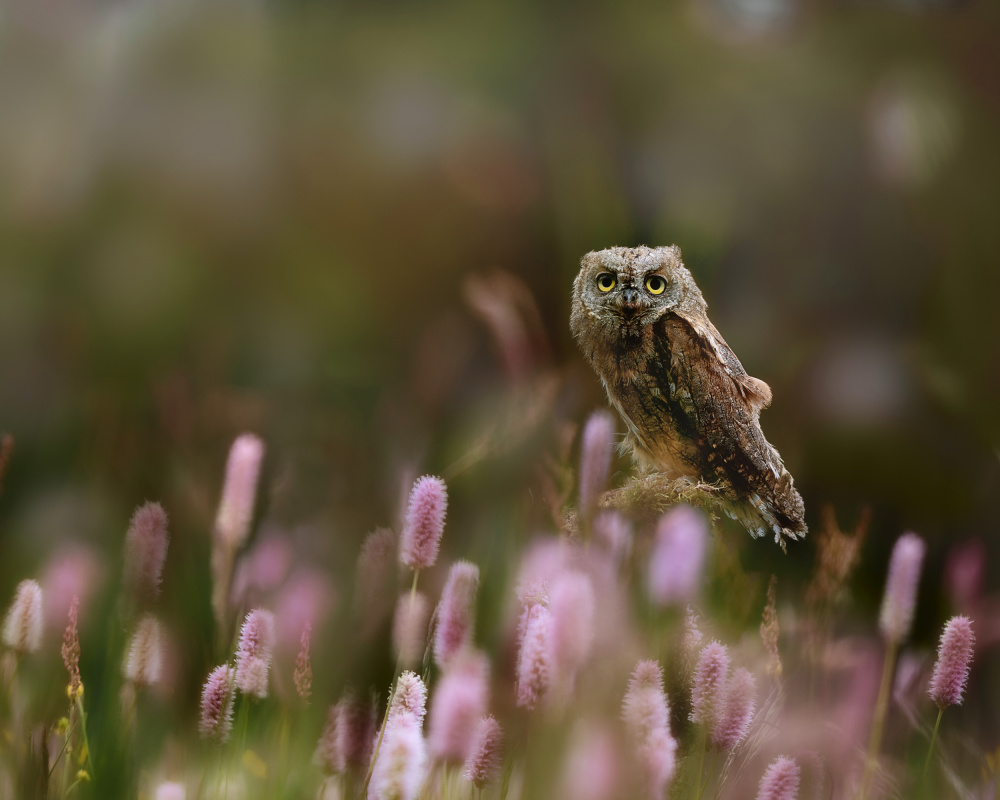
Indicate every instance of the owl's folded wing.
{"type": "Point", "coordinates": [722, 401]}
{"type": "Point", "coordinates": [754, 390]}
{"type": "Point", "coordinates": [709, 386]}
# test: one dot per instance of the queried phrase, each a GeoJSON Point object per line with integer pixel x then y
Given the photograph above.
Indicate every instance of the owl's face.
{"type": "Point", "coordinates": [634, 286]}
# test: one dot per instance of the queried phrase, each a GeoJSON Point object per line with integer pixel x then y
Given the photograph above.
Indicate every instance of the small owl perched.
{"type": "Point", "coordinates": [691, 410]}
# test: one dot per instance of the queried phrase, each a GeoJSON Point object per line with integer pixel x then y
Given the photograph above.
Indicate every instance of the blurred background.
{"type": "Point", "coordinates": [352, 228]}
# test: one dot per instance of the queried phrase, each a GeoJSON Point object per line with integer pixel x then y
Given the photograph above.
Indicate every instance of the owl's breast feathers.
{"type": "Point", "coordinates": [693, 411]}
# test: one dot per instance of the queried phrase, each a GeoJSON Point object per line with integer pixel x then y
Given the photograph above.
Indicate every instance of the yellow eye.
{"type": "Point", "coordinates": [655, 284]}
{"type": "Point", "coordinates": [605, 281]}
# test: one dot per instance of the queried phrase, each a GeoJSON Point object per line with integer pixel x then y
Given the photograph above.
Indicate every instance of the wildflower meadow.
{"type": "Point", "coordinates": [608, 667]}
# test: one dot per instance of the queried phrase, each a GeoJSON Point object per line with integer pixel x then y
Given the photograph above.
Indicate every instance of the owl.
{"type": "Point", "coordinates": [690, 408]}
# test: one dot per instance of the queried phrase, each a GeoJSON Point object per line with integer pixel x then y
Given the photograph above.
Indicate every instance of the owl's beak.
{"type": "Point", "coordinates": [631, 299]}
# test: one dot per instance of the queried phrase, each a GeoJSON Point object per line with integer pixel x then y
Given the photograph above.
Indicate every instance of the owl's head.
{"type": "Point", "coordinates": [636, 285]}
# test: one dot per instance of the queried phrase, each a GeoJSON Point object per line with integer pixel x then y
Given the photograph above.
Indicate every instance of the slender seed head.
{"type": "Point", "coordinates": [456, 613]}
{"type": "Point", "coordinates": [780, 781]}
{"type": "Point", "coordinates": [239, 492]}
{"type": "Point", "coordinates": [424, 526]}
{"type": "Point", "coordinates": [253, 655]}
{"type": "Point", "coordinates": [595, 459]}
{"type": "Point", "coordinates": [482, 767]}
{"type": "Point", "coordinates": [303, 674]}
{"type": "Point", "coordinates": [217, 705]}
{"type": "Point", "coordinates": [70, 649]}
{"type": "Point", "coordinates": [707, 691]}
{"type": "Point", "coordinates": [900, 598]}
{"type": "Point", "coordinates": [951, 672]}
{"type": "Point", "coordinates": [769, 628]}
{"type": "Point", "coordinates": [146, 551]}
{"type": "Point", "coordinates": [737, 710]}
{"type": "Point", "coordinates": [22, 627]}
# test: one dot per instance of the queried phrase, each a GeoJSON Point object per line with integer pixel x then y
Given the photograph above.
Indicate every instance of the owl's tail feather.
{"type": "Point", "coordinates": [784, 516]}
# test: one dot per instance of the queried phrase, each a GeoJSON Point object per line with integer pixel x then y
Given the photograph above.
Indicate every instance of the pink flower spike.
{"type": "Point", "coordinates": [145, 551]}
{"type": "Point", "coordinates": [239, 492]}
{"type": "Point", "coordinates": [456, 613]}
{"type": "Point", "coordinates": [595, 459]}
{"type": "Point", "coordinates": [780, 781]}
{"type": "Point", "coordinates": [303, 675]}
{"type": "Point", "coordinates": [144, 663]}
{"type": "Point", "coordinates": [963, 575]}
{"type": "Point", "coordinates": [900, 598]}
{"type": "Point", "coordinates": [217, 705]}
{"type": "Point", "coordinates": [253, 655]}
{"type": "Point", "coordinates": [22, 627]}
{"type": "Point", "coordinates": [573, 607]}
{"type": "Point", "coordinates": [644, 708]}
{"type": "Point", "coordinates": [74, 570]}
{"type": "Point", "coordinates": [613, 532]}
{"type": "Point", "coordinates": [593, 768]}
{"type": "Point", "coordinates": [376, 567]}
{"type": "Point", "coordinates": [410, 697]}
{"type": "Point", "coordinates": [738, 708]}
{"type": "Point", "coordinates": [951, 672]}
{"type": "Point", "coordinates": [657, 762]}
{"type": "Point", "coordinates": [460, 698]}
{"type": "Point", "coordinates": [482, 767]}
{"type": "Point", "coordinates": [678, 558]}
{"type": "Point", "coordinates": [401, 767]}
{"type": "Point", "coordinates": [424, 526]}
{"type": "Point", "coordinates": [534, 668]}
{"type": "Point", "coordinates": [170, 791]}
{"type": "Point", "coordinates": [709, 685]}
{"type": "Point", "coordinates": [409, 628]}
{"type": "Point", "coordinates": [348, 736]}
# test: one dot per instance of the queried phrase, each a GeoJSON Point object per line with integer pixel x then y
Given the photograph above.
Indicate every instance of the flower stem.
{"type": "Point", "coordinates": [86, 741]}
{"type": "Point", "coordinates": [878, 721]}
{"type": "Point", "coordinates": [930, 750]}
{"type": "Point", "coordinates": [702, 747]}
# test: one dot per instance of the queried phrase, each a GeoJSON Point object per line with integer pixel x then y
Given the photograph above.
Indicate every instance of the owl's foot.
{"type": "Point", "coordinates": [654, 493]}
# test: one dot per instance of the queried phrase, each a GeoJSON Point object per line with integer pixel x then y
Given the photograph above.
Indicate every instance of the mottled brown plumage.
{"type": "Point", "coordinates": [691, 410]}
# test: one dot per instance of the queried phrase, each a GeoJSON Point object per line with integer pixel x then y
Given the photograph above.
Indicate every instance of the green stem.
{"type": "Point", "coordinates": [55, 762]}
{"type": "Point", "coordinates": [243, 717]}
{"type": "Point", "coordinates": [708, 776]}
{"type": "Point", "coordinates": [703, 746]}
{"type": "Point", "coordinates": [878, 721]}
{"type": "Point", "coordinates": [86, 741]}
{"type": "Point", "coordinates": [930, 750]}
